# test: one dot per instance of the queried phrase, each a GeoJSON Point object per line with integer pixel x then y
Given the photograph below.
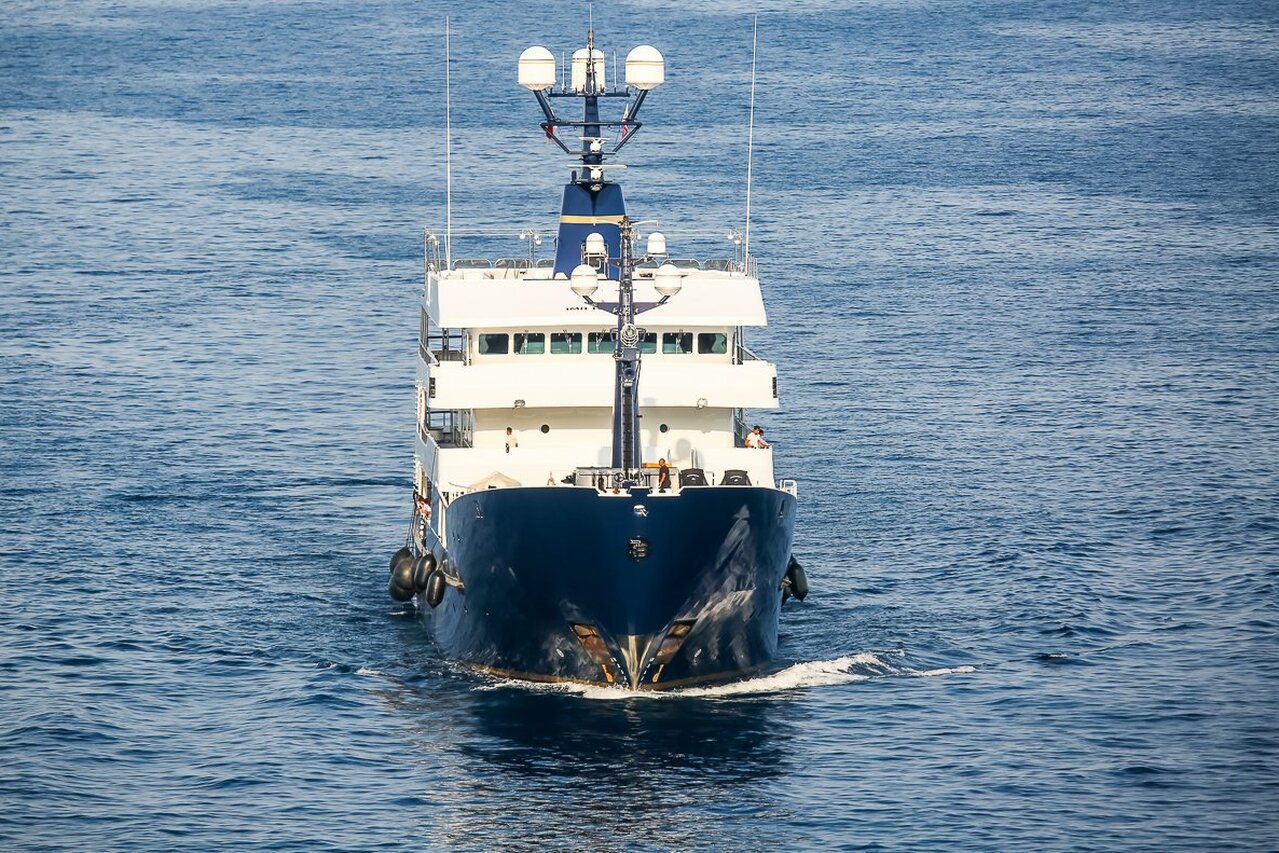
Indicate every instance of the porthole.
{"type": "Point", "coordinates": [664, 428]}
{"type": "Point", "coordinates": [545, 428]}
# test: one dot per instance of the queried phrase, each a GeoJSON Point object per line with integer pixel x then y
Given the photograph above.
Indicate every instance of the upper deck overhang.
{"type": "Point", "coordinates": [588, 382]}
{"type": "Point", "coordinates": [473, 299]}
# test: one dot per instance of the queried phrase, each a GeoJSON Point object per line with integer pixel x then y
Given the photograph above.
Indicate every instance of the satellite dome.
{"type": "Point", "coordinates": [666, 280]}
{"type": "Point", "coordinates": [645, 68]}
{"type": "Point", "coordinates": [537, 69]}
{"type": "Point", "coordinates": [585, 280]}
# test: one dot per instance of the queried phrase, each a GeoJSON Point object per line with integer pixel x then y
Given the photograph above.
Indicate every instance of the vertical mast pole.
{"type": "Point", "coordinates": [750, 150]}
{"type": "Point", "coordinates": [626, 432]}
{"type": "Point", "coordinates": [448, 148]}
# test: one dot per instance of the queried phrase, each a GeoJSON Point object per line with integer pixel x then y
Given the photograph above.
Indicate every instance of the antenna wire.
{"type": "Point", "coordinates": [750, 150]}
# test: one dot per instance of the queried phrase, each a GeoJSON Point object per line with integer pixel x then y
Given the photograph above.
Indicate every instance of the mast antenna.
{"type": "Point", "coordinates": [448, 148]}
{"type": "Point", "coordinates": [750, 151]}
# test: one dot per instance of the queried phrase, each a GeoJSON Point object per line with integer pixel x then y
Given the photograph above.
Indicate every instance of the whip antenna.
{"type": "Point", "coordinates": [448, 150]}
{"type": "Point", "coordinates": [750, 150]}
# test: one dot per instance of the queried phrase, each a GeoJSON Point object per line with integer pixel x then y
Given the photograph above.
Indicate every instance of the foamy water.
{"type": "Point", "coordinates": [848, 669]}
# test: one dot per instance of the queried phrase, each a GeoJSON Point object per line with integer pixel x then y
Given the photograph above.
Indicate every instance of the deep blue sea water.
{"type": "Point", "coordinates": [1022, 267]}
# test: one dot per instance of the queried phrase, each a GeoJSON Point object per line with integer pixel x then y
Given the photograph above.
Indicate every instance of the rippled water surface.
{"type": "Point", "coordinates": [1021, 262]}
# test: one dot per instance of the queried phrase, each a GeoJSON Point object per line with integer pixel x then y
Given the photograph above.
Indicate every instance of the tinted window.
{"type": "Point", "coordinates": [599, 342]}
{"type": "Point", "coordinates": [712, 342]}
{"type": "Point", "coordinates": [562, 342]}
{"type": "Point", "coordinates": [494, 344]}
{"type": "Point", "coordinates": [530, 343]}
{"type": "Point", "coordinates": [648, 343]}
{"type": "Point", "coordinates": [677, 342]}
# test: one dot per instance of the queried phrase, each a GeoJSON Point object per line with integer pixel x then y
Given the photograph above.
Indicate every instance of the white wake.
{"type": "Point", "coordinates": [848, 669]}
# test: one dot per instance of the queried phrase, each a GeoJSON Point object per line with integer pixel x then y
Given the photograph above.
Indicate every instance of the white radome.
{"type": "Point", "coordinates": [579, 70]}
{"type": "Point", "coordinates": [585, 280]}
{"type": "Point", "coordinates": [595, 244]}
{"type": "Point", "coordinates": [645, 68]}
{"type": "Point", "coordinates": [537, 69]}
{"type": "Point", "coordinates": [666, 280]}
{"type": "Point", "coordinates": [656, 244]}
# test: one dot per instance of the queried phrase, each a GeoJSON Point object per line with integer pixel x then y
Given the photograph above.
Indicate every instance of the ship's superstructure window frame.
{"type": "Point", "coordinates": [493, 343]}
{"type": "Point", "coordinates": [712, 343]}
{"type": "Point", "coordinates": [677, 343]}
{"type": "Point", "coordinates": [600, 342]}
{"type": "Point", "coordinates": [529, 343]}
{"type": "Point", "coordinates": [566, 343]}
{"type": "Point", "coordinates": [648, 343]}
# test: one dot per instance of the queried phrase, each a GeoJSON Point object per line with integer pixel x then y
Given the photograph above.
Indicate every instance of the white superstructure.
{"type": "Point", "coordinates": [506, 345]}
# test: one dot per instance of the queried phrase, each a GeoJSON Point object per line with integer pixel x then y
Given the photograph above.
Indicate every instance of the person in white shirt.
{"type": "Point", "coordinates": [511, 440]}
{"type": "Point", "coordinates": [756, 438]}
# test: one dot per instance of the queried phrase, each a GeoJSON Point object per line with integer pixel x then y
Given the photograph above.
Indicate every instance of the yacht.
{"type": "Point", "coordinates": [591, 502]}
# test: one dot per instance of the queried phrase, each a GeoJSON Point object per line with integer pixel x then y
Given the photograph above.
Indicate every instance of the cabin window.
{"type": "Point", "coordinates": [599, 342]}
{"type": "Point", "coordinates": [530, 343]}
{"type": "Point", "coordinates": [677, 343]}
{"type": "Point", "coordinates": [495, 344]}
{"type": "Point", "coordinates": [648, 343]}
{"type": "Point", "coordinates": [714, 343]}
{"type": "Point", "coordinates": [566, 342]}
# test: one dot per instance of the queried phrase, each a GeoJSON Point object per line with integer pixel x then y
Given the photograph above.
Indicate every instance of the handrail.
{"type": "Point", "coordinates": [522, 257]}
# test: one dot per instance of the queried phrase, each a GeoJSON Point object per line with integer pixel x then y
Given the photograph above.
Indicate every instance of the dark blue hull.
{"type": "Point", "coordinates": [640, 590]}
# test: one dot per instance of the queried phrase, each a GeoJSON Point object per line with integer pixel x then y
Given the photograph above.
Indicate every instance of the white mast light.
{"type": "Point", "coordinates": [645, 68]}
{"type": "Point", "coordinates": [537, 69]}
{"type": "Point", "coordinates": [579, 70]}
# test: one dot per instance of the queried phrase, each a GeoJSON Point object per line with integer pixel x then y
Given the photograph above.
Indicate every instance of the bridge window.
{"type": "Point", "coordinates": [648, 343]}
{"type": "Point", "coordinates": [715, 343]}
{"type": "Point", "coordinates": [530, 343]}
{"type": "Point", "coordinates": [566, 342]}
{"type": "Point", "coordinates": [599, 342]}
{"type": "Point", "coordinates": [677, 343]}
{"type": "Point", "coordinates": [494, 344]}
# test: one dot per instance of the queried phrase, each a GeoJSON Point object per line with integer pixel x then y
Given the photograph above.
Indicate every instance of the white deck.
{"type": "Point", "coordinates": [454, 469]}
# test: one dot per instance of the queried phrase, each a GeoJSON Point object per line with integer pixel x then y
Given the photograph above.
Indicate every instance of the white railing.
{"type": "Point", "coordinates": [519, 258]}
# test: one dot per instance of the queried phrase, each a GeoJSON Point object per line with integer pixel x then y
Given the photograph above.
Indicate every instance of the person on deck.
{"type": "Point", "coordinates": [663, 475]}
{"type": "Point", "coordinates": [511, 440]}
{"type": "Point", "coordinates": [756, 438]}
